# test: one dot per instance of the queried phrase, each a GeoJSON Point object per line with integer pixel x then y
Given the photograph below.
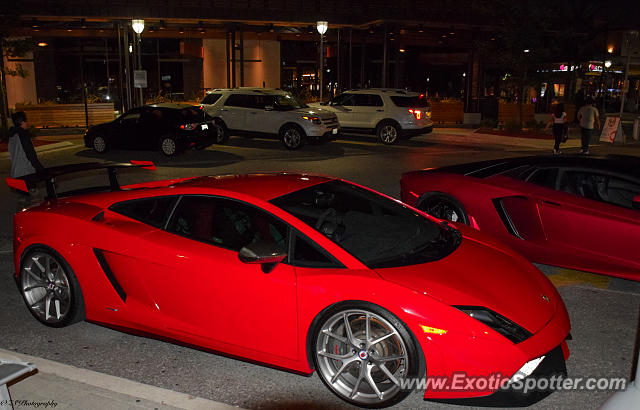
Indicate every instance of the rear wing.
{"type": "Point", "coordinates": [49, 175]}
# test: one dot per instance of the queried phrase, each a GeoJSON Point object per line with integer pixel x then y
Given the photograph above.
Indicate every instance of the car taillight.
{"type": "Point", "coordinates": [416, 113]}
{"type": "Point", "coordinates": [189, 127]}
{"type": "Point", "coordinates": [315, 120]}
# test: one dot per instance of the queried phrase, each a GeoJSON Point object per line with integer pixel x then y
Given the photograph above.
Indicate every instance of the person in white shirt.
{"type": "Point", "coordinates": [589, 120]}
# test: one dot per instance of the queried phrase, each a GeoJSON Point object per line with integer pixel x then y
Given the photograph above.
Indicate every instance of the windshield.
{"type": "Point", "coordinates": [287, 102]}
{"type": "Point", "coordinates": [378, 231]}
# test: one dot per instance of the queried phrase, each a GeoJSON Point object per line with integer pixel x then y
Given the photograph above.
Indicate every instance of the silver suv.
{"type": "Point", "coordinates": [389, 113]}
{"type": "Point", "coordinates": [267, 111]}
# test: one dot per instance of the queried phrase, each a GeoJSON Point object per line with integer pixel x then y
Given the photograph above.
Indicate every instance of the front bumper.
{"type": "Point", "coordinates": [513, 394]}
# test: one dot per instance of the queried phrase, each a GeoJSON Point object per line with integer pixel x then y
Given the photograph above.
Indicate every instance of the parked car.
{"type": "Point", "coordinates": [390, 114]}
{"type": "Point", "coordinates": [171, 128]}
{"type": "Point", "coordinates": [266, 111]}
{"type": "Point", "coordinates": [575, 212]}
{"type": "Point", "coordinates": [296, 271]}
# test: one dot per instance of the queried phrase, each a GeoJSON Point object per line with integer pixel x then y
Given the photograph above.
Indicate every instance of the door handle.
{"type": "Point", "coordinates": [551, 203]}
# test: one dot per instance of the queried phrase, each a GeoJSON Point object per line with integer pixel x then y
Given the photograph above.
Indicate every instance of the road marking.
{"type": "Point", "coordinates": [118, 384]}
{"type": "Point", "coordinates": [568, 277]}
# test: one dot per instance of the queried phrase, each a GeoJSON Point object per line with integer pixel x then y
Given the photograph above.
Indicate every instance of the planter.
{"type": "Point", "coordinates": [509, 112]}
{"type": "Point", "coordinates": [447, 112]}
{"type": "Point", "coordinates": [66, 115]}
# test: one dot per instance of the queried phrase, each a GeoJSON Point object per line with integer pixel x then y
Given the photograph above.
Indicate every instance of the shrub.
{"type": "Point", "coordinates": [512, 126]}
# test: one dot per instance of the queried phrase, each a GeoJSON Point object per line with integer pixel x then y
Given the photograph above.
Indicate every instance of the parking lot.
{"type": "Point", "coordinates": [604, 311]}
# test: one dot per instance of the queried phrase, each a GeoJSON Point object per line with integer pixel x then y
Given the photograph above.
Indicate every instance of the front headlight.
{"type": "Point", "coordinates": [313, 119]}
{"type": "Point", "coordinates": [497, 322]}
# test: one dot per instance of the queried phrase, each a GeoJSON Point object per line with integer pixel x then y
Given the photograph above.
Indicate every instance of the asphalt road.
{"type": "Point", "coordinates": [604, 320]}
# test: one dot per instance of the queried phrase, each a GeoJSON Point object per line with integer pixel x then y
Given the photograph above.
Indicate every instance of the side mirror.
{"type": "Point", "coordinates": [265, 253]}
{"type": "Point", "coordinates": [268, 107]}
{"type": "Point", "coordinates": [636, 202]}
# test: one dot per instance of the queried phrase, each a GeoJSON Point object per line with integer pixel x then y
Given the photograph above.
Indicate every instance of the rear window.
{"type": "Point", "coordinates": [211, 98]}
{"type": "Point", "coordinates": [410, 102]}
{"type": "Point", "coordinates": [191, 114]}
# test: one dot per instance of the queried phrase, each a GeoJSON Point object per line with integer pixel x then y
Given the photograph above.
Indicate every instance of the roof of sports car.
{"type": "Point", "coordinates": [264, 186]}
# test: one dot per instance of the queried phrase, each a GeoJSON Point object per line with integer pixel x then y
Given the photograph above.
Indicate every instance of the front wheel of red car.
{"type": "Point", "coordinates": [443, 206]}
{"type": "Point", "coordinates": [363, 352]}
{"type": "Point", "coordinates": [50, 289]}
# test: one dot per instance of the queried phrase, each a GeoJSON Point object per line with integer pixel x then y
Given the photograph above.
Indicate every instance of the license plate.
{"type": "Point", "coordinates": [205, 127]}
{"type": "Point", "coordinates": [334, 131]}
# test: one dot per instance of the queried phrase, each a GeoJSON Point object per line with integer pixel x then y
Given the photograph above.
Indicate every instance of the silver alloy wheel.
{"type": "Point", "coordinates": [168, 146]}
{"type": "Point", "coordinates": [219, 133]}
{"type": "Point", "coordinates": [361, 356]}
{"type": "Point", "coordinates": [99, 144]}
{"type": "Point", "coordinates": [388, 134]}
{"type": "Point", "coordinates": [45, 286]}
{"type": "Point", "coordinates": [444, 210]}
{"type": "Point", "coordinates": [292, 137]}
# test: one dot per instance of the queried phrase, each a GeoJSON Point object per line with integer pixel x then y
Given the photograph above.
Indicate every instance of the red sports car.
{"type": "Point", "coordinates": [575, 212]}
{"type": "Point", "coordinates": [297, 272]}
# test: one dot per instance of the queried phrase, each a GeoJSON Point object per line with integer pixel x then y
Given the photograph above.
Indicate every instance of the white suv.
{"type": "Point", "coordinates": [389, 113]}
{"type": "Point", "coordinates": [267, 111]}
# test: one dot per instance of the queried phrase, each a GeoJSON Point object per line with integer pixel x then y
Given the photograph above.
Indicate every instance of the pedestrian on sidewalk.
{"type": "Point", "coordinates": [24, 160]}
{"type": "Point", "coordinates": [559, 123]}
{"type": "Point", "coordinates": [589, 120]}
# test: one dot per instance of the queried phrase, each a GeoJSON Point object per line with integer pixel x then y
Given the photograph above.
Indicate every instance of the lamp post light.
{"type": "Point", "coordinates": [322, 27]}
{"type": "Point", "coordinates": [138, 27]}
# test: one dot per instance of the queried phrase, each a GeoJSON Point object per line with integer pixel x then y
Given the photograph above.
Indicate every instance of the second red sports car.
{"type": "Point", "coordinates": [577, 212]}
{"type": "Point", "coordinates": [298, 272]}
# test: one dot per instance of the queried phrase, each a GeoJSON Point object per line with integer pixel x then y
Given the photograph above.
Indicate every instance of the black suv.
{"type": "Point", "coordinates": [171, 128]}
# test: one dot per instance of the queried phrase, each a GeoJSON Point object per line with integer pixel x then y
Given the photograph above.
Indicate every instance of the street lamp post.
{"type": "Point", "coordinates": [138, 27]}
{"type": "Point", "coordinates": [322, 28]}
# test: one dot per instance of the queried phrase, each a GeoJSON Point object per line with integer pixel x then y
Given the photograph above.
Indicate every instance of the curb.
{"type": "Point", "coordinates": [117, 385]}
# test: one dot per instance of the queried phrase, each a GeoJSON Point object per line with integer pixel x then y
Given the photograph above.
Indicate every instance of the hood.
{"type": "Point", "coordinates": [483, 272]}
{"type": "Point", "coordinates": [317, 111]}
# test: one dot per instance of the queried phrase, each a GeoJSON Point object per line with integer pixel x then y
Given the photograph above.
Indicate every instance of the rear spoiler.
{"type": "Point", "coordinates": [49, 175]}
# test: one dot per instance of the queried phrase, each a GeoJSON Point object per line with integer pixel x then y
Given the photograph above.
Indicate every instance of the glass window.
{"type": "Point", "coordinates": [286, 102]}
{"type": "Point", "coordinates": [211, 98]}
{"type": "Point", "coordinates": [377, 230]}
{"type": "Point", "coordinates": [239, 100]}
{"type": "Point", "coordinates": [344, 99]}
{"type": "Point", "coordinates": [545, 177]}
{"type": "Point", "coordinates": [367, 100]}
{"type": "Point", "coordinates": [418, 101]}
{"type": "Point", "coordinates": [600, 187]}
{"type": "Point", "coordinates": [130, 117]}
{"type": "Point", "coordinates": [152, 211]}
{"type": "Point", "coordinates": [226, 223]}
{"type": "Point", "coordinates": [307, 254]}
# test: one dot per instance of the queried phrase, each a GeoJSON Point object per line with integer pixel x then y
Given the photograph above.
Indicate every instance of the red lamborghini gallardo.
{"type": "Point", "coordinates": [576, 212]}
{"type": "Point", "coordinates": [297, 272]}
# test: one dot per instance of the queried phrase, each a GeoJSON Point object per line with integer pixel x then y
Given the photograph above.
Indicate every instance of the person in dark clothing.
{"type": "Point", "coordinates": [558, 122]}
{"type": "Point", "coordinates": [24, 160]}
{"type": "Point", "coordinates": [23, 156]}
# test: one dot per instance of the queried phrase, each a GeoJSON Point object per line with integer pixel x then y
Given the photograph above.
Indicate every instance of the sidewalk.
{"type": "Point", "coordinates": [60, 386]}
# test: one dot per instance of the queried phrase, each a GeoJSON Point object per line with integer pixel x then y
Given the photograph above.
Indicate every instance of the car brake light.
{"type": "Point", "coordinates": [416, 113]}
{"type": "Point", "coordinates": [189, 127]}
{"type": "Point", "coordinates": [201, 107]}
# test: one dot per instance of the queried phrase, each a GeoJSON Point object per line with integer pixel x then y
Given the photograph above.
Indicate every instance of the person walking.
{"type": "Point", "coordinates": [558, 122]}
{"type": "Point", "coordinates": [23, 156]}
{"type": "Point", "coordinates": [589, 120]}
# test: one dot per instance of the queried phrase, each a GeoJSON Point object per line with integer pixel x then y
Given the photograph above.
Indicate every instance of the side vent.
{"type": "Point", "coordinates": [109, 273]}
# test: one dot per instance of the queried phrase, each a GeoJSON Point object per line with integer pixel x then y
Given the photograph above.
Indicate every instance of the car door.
{"type": "Point", "coordinates": [153, 124]}
{"type": "Point", "coordinates": [591, 217]}
{"type": "Point", "coordinates": [367, 110]}
{"type": "Point", "coordinates": [343, 106]}
{"type": "Point", "coordinates": [259, 118]}
{"type": "Point", "coordinates": [234, 111]}
{"type": "Point", "coordinates": [206, 292]}
{"type": "Point", "coordinates": [126, 128]}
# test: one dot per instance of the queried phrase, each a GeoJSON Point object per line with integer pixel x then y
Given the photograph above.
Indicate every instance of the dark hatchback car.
{"type": "Point", "coordinates": [171, 128]}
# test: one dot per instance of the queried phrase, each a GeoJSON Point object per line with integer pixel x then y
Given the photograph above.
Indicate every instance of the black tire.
{"type": "Point", "coordinates": [222, 133]}
{"type": "Point", "coordinates": [443, 206]}
{"type": "Point", "coordinates": [169, 146]}
{"type": "Point", "coordinates": [361, 353]}
{"type": "Point", "coordinates": [99, 144]}
{"type": "Point", "coordinates": [59, 286]}
{"type": "Point", "coordinates": [292, 136]}
{"type": "Point", "coordinates": [388, 132]}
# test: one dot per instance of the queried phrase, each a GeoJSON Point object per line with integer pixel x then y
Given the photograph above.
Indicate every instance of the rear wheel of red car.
{"type": "Point", "coordinates": [444, 207]}
{"type": "Point", "coordinates": [362, 352]}
{"type": "Point", "coordinates": [99, 144]}
{"type": "Point", "coordinates": [50, 289]}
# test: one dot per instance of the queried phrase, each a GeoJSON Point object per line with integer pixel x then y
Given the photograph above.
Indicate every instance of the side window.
{"type": "Point", "coordinates": [239, 100]}
{"type": "Point", "coordinates": [259, 101]}
{"type": "Point", "coordinates": [152, 116]}
{"type": "Point", "coordinates": [211, 98]}
{"type": "Point", "coordinates": [600, 187]}
{"type": "Point", "coordinates": [344, 99]}
{"type": "Point", "coordinates": [545, 177]}
{"type": "Point", "coordinates": [130, 117]}
{"type": "Point", "coordinates": [152, 211]}
{"type": "Point", "coordinates": [367, 100]}
{"type": "Point", "coordinates": [309, 255]}
{"type": "Point", "coordinates": [226, 223]}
